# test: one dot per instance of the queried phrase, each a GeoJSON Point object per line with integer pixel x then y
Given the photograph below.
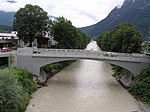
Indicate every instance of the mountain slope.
{"type": "Point", "coordinates": [136, 12]}
{"type": "Point", "coordinates": [6, 18]}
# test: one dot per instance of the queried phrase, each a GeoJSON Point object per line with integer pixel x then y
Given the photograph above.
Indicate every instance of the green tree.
{"type": "Point", "coordinates": [64, 33]}
{"type": "Point", "coordinates": [125, 38]}
{"type": "Point", "coordinates": [82, 39]}
{"type": "Point", "coordinates": [30, 21]}
{"type": "Point", "coordinates": [104, 41]}
{"type": "Point", "coordinates": [67, 36]}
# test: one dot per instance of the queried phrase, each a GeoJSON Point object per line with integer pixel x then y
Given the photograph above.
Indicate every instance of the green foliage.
{"type": "Point", "coordinates": [67, 36]}
{"type": "Point", "coordinates": [10, 93]}
{"type": "Point", "coordinates": [16, 83]}
{"type": "Point", "coordinates": [104, 41]}
{"type": "Point", "coordinates": [124, 38]}
{"type": "Point", "coordinates": [49, 68]}
{"type": "Point", "coordinates": [119, 71]}
{"type": "Point", "coordinates": [30, 21]}
{"type": "Point", "coordinates": [5, 29]}
{"type": "Point", "coordinates": [25, 79]}
{"type": "Point", "coordinates": [140, 88]}
{"type": "Point", "coordinates": [24, 101]}
{"type": "Point", "coordinates": [54, 67]}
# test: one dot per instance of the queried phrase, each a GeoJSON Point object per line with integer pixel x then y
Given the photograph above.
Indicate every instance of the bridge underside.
{"type": "Point", "coordinates": [3, 61]}
{"type": "Point", "coordinates": [34, 64]}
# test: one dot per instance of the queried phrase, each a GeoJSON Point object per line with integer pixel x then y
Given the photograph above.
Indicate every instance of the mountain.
{"type": "Point", "coordinates": [135, 12]}
{"type": "Point", "coordinates": [6, 18]}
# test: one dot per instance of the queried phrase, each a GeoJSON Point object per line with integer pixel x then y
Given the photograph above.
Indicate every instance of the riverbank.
{"type": "Point", "coordinates": [144, 107]}
{"type": "Point", "coordinates": [139, 87]}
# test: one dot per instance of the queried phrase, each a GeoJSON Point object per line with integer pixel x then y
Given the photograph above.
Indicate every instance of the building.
{"type": "Point", "coordinates": [8, 39]}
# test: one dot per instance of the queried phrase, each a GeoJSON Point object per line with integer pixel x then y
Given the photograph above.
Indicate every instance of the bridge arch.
{"type": "Point", "coordinates": [134, 68]}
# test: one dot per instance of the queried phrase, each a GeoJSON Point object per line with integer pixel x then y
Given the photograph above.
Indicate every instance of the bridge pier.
{"type": "Point", "coordinates": [127, 79]}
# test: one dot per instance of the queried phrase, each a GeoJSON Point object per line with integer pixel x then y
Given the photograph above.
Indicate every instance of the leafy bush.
{"type": "Point", "coordinates": [25, 79]}
{"type": "Point", "coordinates": [140, 88]}
{"type": "Point", "coordinates": [10, 93]}
{"type": "Point", "coordinates": [24, 101]}
{"type": "Point", "coordinates": [16, 85]}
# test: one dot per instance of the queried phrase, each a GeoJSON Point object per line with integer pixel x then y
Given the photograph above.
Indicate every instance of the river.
{"type": "Point", "coordinates": [84, 86]}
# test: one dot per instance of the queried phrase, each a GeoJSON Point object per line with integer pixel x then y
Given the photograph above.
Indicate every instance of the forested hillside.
{"type": "Point", "coordinates": [135, 12]}
{"type": "Point", "coordinates": [6, 18]}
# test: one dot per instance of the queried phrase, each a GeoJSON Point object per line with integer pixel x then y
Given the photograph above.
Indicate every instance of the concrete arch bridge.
{"type": "Point", "coordinates": [33, 59]}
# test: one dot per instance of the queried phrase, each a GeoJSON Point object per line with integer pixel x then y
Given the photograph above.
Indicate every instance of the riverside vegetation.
{"type": "Point", "coordinates": [140, 88]}
{"type": "Point", "coordinates": [16, 85]}
{"type": "Point", "coordinates": [126, 38]}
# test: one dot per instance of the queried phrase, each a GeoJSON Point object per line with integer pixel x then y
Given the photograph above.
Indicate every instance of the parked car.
{"type": "Point", "coordinates": [5, 49]}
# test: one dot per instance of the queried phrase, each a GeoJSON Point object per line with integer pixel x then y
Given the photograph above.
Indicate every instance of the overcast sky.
{"type": "Point", "coordinates": [80, 12]}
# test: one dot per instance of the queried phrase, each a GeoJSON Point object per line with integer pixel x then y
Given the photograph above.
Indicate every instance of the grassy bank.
{"type": "Point", "coordinates": [16, 86]}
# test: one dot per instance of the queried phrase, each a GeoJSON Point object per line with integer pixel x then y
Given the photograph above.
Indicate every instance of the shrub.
{"type": "Point", "coordinates": [10, 93]}
{"type": "Point", "coordinates": [140, 88]}
{"type": "Point", "coordinates": [16, 85]}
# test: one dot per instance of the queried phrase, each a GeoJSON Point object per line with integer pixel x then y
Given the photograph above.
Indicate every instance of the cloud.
{"type": "Point", "coordinates": [80, 12]}
{"type": "Point", "coordinates": [11, 1]}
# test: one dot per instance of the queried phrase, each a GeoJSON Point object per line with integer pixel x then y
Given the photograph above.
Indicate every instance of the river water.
{"type": "Point", "coordinates": [84, 86]}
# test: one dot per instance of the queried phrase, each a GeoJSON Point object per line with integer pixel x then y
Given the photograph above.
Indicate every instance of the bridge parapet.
{"type": "Point", "coordinates": [89, 54]}
{"type": "Point", "coordinates": [25, 51]}
{"type": "Point", "coordinates": [83, 54]}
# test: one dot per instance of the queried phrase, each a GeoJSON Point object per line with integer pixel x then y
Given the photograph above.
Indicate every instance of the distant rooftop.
{"type": "Point", "coordinates": [9, 35]}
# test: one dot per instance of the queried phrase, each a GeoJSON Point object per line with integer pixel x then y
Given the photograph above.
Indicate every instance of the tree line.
{"type": "Point", "coordinates": [33, 22]}
{"type": "Point", "coordinates": [123, 38]}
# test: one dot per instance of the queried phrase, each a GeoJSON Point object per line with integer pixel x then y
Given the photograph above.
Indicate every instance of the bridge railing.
{"type": "Point", "coordinates": [90, 54]}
